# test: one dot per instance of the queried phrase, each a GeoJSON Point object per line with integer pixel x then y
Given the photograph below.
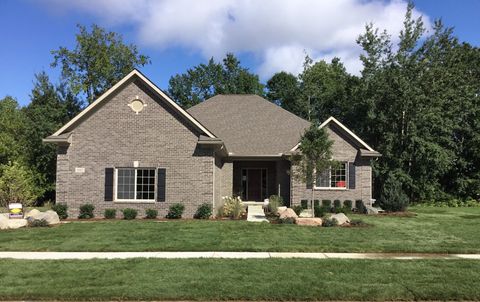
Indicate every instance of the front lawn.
{"type": "Point", "coordinates": [221, 279]}
{"type": "Point", "coordinates": [433, 230]}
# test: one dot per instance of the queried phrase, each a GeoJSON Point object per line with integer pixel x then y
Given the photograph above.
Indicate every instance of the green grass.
{"type": "Point", "coordinates": [433, 230]}
{"type": "Point", "coordinates": [271, 279]}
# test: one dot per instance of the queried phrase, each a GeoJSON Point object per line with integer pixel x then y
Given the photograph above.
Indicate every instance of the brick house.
{"type": "Point", "coordinates": [135, 147]}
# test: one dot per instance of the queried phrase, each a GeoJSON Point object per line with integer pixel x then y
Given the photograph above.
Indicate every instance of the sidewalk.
{"type": "Point", "coordinates": [228, 255]}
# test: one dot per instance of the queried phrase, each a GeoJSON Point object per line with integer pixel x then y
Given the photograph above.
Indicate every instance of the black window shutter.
{"type": "Point", "coordinates": [108, 184]}
{"type": "Point", "coordinates": [351, 176]}
{"type": "Point", "coordinates": [161, 181]}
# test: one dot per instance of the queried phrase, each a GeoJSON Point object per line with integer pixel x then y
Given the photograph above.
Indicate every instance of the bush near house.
{"type": "Point", "coordinates": [61, 209]}
{"type": "Point", "coordinates": [129, 213]}
{"type": "Point", "coordinates": [360, 207]}
{"type": "Point", "coordinates": [348, 203]}
{"type": "Point", "coordinates": [320, 211]}
{"type": "Point", "coordinates": [110, 213]}
{"type": "Point", "coordinates": [304, 203]}
{"type": "Point", "coordinates": [204, 211]}
{"type": "Point", "coordinates": [327, 203]}
{"type": "Point", "coordinates": [151, 213]}
{"type": "Point", "coordinates": [86, 211]}
{"type": "Point", "coordinates": [233, 207]}
{"type": "Point", "coordinates": [297, 209]}
{"type": "Point", "coordinates": [175, 211]}
{"type": "Point", "coordinates": [337, 203]}
{"type": "Point", "coordinates": [393, 198]}
{"type": "Point", "coordinates": [274, 202]}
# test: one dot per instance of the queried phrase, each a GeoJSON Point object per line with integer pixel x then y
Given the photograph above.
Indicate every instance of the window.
{"type": "Point", "coordinates": [334, 177]}
{"type": "Point", "coordinates": [135, 184]}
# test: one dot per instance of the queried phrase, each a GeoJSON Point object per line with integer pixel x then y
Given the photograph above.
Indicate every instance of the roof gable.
{"type": "Point", "coordinates": [344, 129]}
{"type": "Point", "coordinates": [134, 73]}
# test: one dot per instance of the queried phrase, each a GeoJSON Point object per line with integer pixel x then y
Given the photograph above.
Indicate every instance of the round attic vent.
{"type": "Point", "coordinates": [137, 105]}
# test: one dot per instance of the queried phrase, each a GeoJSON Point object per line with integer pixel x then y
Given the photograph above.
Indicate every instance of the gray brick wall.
{"type": "Point", "coordinates": [223, 181]}
{"type": "Point", "coordinates": [343, 150]}
{"type": "Point", "coordinates": [114, 136]}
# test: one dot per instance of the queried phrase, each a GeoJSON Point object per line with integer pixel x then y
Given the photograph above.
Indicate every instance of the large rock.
{"type": "Point", "coordinates": [341, 218]}
{"type": "Point", "coordinates": [51, 217]}
{"type": "Point", "coordinates": [17, 223]}
{"type": "Point", "coordinates": [4, 221]}
{"type": "Point", "coordinates": [288, 213]}
{"type": "Point", "coordinates": [33, 213]}
{"type": "Point", "coordinates": [309, 221]}
{"type": "Point", "coordinates": [280, 210]}
{"type": "Point", "coordinates": [7, 223]}
{"type": "Point", "coordinates": [373, 211]}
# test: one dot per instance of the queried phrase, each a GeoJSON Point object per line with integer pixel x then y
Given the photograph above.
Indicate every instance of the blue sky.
{"type": "Point", "coordinates": [178, 34]}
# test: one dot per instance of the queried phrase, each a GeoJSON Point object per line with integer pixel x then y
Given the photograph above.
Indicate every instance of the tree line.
{"type": "Point", "coordinates": [416, 101]}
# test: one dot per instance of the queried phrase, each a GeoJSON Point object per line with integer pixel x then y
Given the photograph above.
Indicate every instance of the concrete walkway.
{"type": "Point", "coordinates": [227, 255]}
{"type": "Point", "coordinates": [255, 213]}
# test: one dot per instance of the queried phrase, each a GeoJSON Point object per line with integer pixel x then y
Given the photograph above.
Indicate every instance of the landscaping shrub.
{"type": "Point", "coordinates": [233, 207]}
{"type": "Point", "coordinates": [327, 203]}
{"type": "Point", "coordinates": [393, 198]}
{"type": "Point", "coordinates": [360, 207]}
{"type": "Point", "coordinates": [348, 204]}
{"type": "Point", "coordinates": [297, 209]}
{"type": "Point", "coordinates": [204, 211]}
{"type": "Point", "coordinates": [110, 213]}
{"type": "Point", "coordinates": [316, 203]}
{"type": "Point", "coordinates": [175, 211]}
{"type": "Point", "coordinates": [337, 203]}
{"type": "Point", "coordinates": [38, 223]}
{"type": "Point", "coordinates": [61, 210]}
{"type": "Point", "coordinates": [320, 211]}
{"type": "Point", "coordinates": [304, 203]}
{"type": "Point", "coordinates": [151, 213]}
{"type": "Point", "coordinates": [345, 210]}
{"type": "Point", "coordinates": [274, 202]}
{"type": "Point", "coordinates": [129, 213]}
{"type": "Point", "coordinates": [287, 220]}
{"type": "Point", "coordinates": [329, 222]}
{"type": "Point", "coordinates": [86, 211]}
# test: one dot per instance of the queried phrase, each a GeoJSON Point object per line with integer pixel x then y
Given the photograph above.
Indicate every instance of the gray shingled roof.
{"type": "Point", "coordinates": [249, 125]}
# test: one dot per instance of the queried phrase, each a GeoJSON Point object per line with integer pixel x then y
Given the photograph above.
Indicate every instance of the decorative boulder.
{"type": "Point", "coordinates": [341, 218]}
{"type": "Point", "coordinates": [288, 213]}
{"type": "Point", "coordinates": [309, 221]}
{"type": "Point", "coordinates": [33, 213]}
{"type": "Point", "coordinates": [4, 221]}
{"type": "Point", "coordinates": [51, 217]}
{"type": "Point", "coordinates": [280, 210]}
{"type": "Point", "coordinates": [17, 223]}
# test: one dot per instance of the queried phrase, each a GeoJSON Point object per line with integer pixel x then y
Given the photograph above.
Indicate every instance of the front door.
{"type": "Point", "coordinates": [254, 184]}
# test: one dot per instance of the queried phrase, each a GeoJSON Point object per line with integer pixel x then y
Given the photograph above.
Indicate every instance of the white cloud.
{"type": "Point", "coordinates": [278, 32]}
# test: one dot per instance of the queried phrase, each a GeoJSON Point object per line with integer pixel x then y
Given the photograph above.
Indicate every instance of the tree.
{"type": "Point", "coordinates": [206, 80]}
{"type": "Point", "coordinates": [12, 130]}
{"type": "Point", "coordinates": [393, 198]}
{"type": "Point", "coordinates": [315, 155]}
{"type": "Point", "coordinates": [98, 61]}
{"type": "Point", "coordinates": [325, 90]}
{"type": "Point", "coordinates": [17, 184]}
{"type": "Point", "coordinates": [50, 108]}
{"type": "Point", "coordinates": [284, 90]}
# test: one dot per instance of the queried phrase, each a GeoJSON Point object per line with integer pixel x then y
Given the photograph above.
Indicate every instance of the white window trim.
{"type": "Point", "coordinates": [115, 188]}
{"type": "Point", "coordinates": [330, 181]}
